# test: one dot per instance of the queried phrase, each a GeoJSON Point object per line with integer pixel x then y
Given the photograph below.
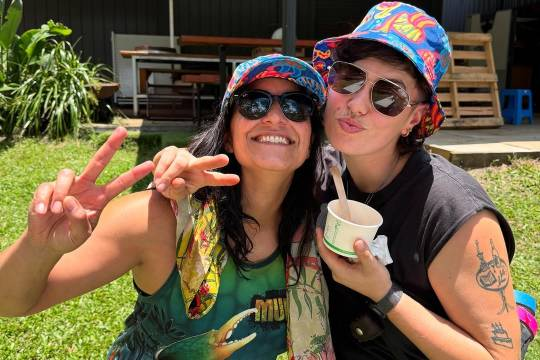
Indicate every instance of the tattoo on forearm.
{"type": "Point", "coordinates": [493, 275]}
{"type": "Point", "coordinates": [499, 335]}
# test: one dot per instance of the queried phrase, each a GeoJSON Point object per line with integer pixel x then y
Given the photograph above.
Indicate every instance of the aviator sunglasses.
{"type": "Point", "coordinates": [387, 97]}
{"type": "Point", "coordinates": [254, 104]}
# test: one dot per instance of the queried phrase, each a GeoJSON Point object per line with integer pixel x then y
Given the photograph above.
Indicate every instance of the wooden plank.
{"type": "Point", "coordinates": [469, 77]}
{"type": "Point", "coordinates": [444, 97]}
{"type": "Point", "coordinates": [237, 41]}
{"type": "Point", "coordinates": [472, 123]}
{"type": "Point", "coordinates": [467, 84]}
{"type": "Point", "coordinates": [468, 38]}
{"type": "Point", "coordinates": [472, 70]}
{"type": "Point", "coordinates": [476, 110]}
{"type": "Point", "coordinates": [490, 59]}
{"type": "Point", "coordinates": [469, 55]}
{"type": "Point", "coordinates": [454, 96]}
{"type": "Point", "coordinates": [475, 97]}
{"type": "Point", "coordinates": [495, 99]}
{"type": "Point", "coordinates": [464, 97]}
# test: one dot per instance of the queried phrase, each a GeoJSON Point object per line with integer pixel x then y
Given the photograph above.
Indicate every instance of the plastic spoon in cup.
{"type": "Point", "coordinates": [344, 206]}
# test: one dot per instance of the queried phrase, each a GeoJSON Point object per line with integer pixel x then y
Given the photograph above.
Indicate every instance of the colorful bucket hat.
{"type": "Point", "coordinates": [410, 31]}
{"type": "Point", "coordinates": [277, 66]}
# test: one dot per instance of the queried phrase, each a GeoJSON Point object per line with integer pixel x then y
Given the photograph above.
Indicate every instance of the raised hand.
{"type": "Point", "coordinates": [62, 213]}
{"type": "Point", "coordinates": [178, 173]}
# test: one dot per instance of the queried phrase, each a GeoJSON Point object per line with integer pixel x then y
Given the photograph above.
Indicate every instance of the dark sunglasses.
{"type": "Point", "coordinates": [254, 104]}
{"type": "Point", "coordinates": [387, 97]}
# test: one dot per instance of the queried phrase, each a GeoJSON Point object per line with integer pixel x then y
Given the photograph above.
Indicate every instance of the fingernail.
{"type": "Point", "coordinates": [41, 208]}
{"type": "Point", "coordinates": [56, 207]}
{"type": "Point", "coordinates": [161, 187]}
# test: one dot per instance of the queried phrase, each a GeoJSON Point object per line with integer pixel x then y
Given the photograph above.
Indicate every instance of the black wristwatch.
{"type": "Point", "coordinates": [389, 300]}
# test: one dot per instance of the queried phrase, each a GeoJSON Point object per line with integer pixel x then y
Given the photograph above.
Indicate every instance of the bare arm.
{"type": "Point", "coordinates": [476, 329]}
{"type": "Point", "coordinates": [135, 232]}
{"type": "Point", "coordinates": [60, 220]}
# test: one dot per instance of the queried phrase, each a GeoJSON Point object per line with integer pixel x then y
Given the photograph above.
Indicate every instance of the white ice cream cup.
{"type": "Point", "coordinates": [340, 234]}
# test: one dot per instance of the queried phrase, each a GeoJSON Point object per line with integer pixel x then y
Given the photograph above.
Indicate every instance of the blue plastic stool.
{"type": "Point", "coordinates": [513, 110]}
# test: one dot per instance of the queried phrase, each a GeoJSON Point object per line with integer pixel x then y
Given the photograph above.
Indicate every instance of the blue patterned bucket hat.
{"type": "Point", "coordinates": [410, 31]}
{"type": "Point", "coordinates": [277, 66]}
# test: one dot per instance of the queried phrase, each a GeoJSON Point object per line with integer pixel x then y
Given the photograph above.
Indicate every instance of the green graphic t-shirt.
{"type": "Point", "coordinates": [248, 320]}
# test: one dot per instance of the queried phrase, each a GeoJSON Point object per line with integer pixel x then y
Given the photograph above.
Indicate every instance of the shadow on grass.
{"type": "Point", "coordinates": [6, 144]}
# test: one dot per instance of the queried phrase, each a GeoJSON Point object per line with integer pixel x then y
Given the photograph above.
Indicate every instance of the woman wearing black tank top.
{"type": "Point", "coordinates": [448, 293]}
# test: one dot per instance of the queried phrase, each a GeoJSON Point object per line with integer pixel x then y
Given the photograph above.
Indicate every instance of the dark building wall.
{"type": "Point", "coordinates": [93, 21]}
{"type": "Point", "coordinates": [455, 12]}
{"type": "Point", "coordinates": [337, 17]}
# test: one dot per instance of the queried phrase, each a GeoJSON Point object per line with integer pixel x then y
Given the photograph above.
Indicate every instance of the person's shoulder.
{"type": "Point", "coordinates": [452, 181]}
{"type": "Point", "coordinates": [139, 213]}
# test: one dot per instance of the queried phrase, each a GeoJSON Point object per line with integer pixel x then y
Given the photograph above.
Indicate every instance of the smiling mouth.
{"type": "Point", "coordinates": [273, 139]}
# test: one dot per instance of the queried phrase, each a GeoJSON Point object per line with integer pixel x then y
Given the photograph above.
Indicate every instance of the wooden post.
{"type": "Point", "coordinates": [289, 27]}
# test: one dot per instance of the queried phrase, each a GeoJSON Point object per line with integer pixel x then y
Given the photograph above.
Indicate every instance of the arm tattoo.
{"type": "Point", "coordinates": [499, 335]}
{"type": "Point", "coordinates": [493, 275]}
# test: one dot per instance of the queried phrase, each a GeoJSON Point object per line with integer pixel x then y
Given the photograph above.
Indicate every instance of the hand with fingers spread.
{"type": "Point", "coordinates": [178, 173]}
{"type": "Point", "coordinates": [62, 213]}
{"type": "Point", "coordinates": [366, 276]}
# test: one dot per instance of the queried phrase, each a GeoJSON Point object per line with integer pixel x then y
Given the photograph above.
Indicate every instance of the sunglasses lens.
{"type": "Point", "coordinates": [345, 78]}
{"type": "Point", "coordinates": [389, 99]}
{"type": "Point", "coordinates": [254, 104]}
{"type": "Point", "coordinates": [296, 106]}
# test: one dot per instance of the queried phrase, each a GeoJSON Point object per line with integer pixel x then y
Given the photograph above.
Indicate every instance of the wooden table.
{"type": "Point", "coordinates": [149, 56]}
{"type": "Point", "coordinates": [223, 41]}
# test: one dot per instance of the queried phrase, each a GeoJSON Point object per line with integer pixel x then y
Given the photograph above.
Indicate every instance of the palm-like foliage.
{"type": "Point", "coordinates": [57, 97]}
{"type": "Point", "coordinates": [44, 86]}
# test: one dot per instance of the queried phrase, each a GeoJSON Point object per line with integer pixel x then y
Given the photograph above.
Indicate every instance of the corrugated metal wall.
{"type": "Point", "coordinates": [455, 12]}
{"type": "Point", "coordinates": [93, 21]}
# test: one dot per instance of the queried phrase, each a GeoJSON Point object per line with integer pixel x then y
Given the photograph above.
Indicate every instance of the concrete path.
{"type": "Point", "coordinates": [473, 148]}
{"type": "Point", "coordinates": [467, 148]}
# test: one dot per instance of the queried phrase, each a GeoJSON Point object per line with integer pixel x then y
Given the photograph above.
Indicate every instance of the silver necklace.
{"type": "Point", "coordinates": [372, 194]}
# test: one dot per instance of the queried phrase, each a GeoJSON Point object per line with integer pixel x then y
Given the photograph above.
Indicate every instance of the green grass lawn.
{"type": "Point", "coordinates": [83, 328]}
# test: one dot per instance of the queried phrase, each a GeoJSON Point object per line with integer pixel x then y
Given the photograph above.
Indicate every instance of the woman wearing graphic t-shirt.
{"type": "Point", "coordinates": [229, 270]}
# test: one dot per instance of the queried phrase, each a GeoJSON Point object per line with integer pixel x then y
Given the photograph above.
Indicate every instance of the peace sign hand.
{"type": "Point", "coordinates": [179, 173]}
{"type": "Point", "coordinates": [63, 213]}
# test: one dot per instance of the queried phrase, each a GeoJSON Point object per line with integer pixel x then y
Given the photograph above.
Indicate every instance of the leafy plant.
{"type": "Point", "coordinates": [8, 30]}
{"type": "Point", "coordinates": [44, 86]}
{"type": "Point", "coordinates": [59, 95]}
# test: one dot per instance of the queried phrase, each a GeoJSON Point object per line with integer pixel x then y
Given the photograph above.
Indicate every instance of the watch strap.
{"type": "Point", "coordinates": [389, 301]}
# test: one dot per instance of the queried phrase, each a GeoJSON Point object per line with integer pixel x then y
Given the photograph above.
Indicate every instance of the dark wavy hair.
{"type": "Point", "coordinates": [351, 50]}
{"type": "Point", "coordinates": [299, 207]}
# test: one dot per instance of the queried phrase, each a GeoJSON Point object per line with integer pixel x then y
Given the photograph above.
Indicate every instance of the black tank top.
{"type": "Point", "coordinates": [422, 208]}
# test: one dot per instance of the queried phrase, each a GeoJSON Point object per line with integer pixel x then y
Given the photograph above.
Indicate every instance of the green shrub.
{"type": "Point", "coordinates": [45, 89]}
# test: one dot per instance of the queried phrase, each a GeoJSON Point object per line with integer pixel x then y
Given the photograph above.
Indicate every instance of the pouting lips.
{"type": "Point", "coordinates": [273, 139]}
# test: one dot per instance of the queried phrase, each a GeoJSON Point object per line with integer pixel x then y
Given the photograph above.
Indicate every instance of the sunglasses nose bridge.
{"type": "Point", "coordinates": [274, 114]}
{"type": "Point", "coordinates": [360, 102]}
